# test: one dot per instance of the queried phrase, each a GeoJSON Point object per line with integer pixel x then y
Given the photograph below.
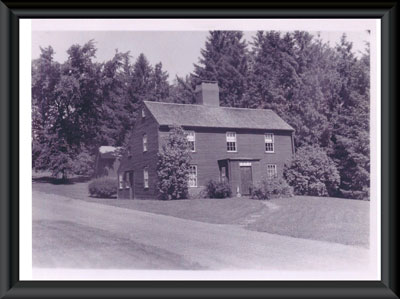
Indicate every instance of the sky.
{"type": "Point", "coordinates": [177, 50]}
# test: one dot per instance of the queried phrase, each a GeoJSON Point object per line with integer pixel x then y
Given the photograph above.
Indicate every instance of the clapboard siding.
{"type": "Point", "coordinates": [139, 159]}
{"type": "Point", "coordinates": [211, 147]}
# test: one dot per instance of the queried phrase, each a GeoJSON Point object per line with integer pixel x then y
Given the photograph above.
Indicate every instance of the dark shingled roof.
{"type": "Point", "coordinates": [216, 117]}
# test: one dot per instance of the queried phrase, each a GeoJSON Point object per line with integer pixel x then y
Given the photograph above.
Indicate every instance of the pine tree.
{"type": "Point", "coordinates": [160, 84]}
{"type": "Point", "coordinates": [225, 60]}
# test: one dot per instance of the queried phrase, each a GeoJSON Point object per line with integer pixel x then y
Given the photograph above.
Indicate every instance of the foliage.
{"type": "Point", "coordinates": [225, 60]}
{"type": "Point", "coordinates": [271, 188]}
{"type": "Point", "coordinates": [103, 187]}
{"type": "Point", "coordinates": [173, 165]}
{"type": "Point", "coordinates": [81, 104]}
{"type": "Point", "coordinates": [216, 189]}
{"type": "Point", "coordinates": [312, 172]}
{"type": "Point", "coordinates": [322, 91]}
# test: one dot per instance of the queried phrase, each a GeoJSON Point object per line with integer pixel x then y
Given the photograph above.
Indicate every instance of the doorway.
{"type": "Point", "coordinates": [246, 179]}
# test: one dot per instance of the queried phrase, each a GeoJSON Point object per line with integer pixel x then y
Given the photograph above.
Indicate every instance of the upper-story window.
{"type": "Point", "coordinates": [231, 142]}
{"type": "Point", "coordinates": [143, 113]}
{"type": "Point", "coordinates": [144, 142]}
{"type": "Point", "coordinates": [269, 142]}
{"type": "Point", "coordinates": [191, 138]}
{"type": "Point", "coordinates": [146, 177]}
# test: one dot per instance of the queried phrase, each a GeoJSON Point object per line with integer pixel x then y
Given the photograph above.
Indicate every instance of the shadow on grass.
{"type": "Point", "coordinates": [58, 181]}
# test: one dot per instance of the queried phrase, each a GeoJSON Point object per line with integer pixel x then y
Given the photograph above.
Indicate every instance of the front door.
{"type": "Point", "coordinates": [246, 179]}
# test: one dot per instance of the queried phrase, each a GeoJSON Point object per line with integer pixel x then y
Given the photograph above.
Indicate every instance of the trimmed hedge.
{"type": "Point", "coordinates": [216, 189]}
{"type": "Point", "coordinates": [271, 188]}
{"type": "Point", "coordinates": [103, 187]}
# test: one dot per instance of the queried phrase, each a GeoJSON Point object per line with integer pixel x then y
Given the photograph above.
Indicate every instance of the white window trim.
{"type": "Point", "coordinates": [144, 141]}
{"type": "Point", "coordinates": [273, 142]}
{"type": "Point", "coordinates": [145, 173]}
{"type": "Point", "coordinates": [195, 185]}
{"type": "Point", "coordinates": [236, 144]}
{"type": "Point", "coordinates": [143, 113]}
{"type": "Point", "coordinates": [194, 140]}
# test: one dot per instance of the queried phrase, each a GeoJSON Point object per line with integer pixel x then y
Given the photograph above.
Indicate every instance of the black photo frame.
{"type": "Point", "coordinates": [10, 284]}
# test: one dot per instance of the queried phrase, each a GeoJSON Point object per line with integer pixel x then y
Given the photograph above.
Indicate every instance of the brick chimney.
{"type": "Point", "coordinates": [207, 93]}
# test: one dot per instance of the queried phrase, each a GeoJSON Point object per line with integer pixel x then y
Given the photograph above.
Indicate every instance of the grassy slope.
{"type": "Point", "coordinates": [328, 219]}
{"type": "Point", "coordinates": [321, 218]}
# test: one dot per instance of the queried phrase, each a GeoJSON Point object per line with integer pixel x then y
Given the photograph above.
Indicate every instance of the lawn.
{"type": "Point", "coordinates": [320, 218]}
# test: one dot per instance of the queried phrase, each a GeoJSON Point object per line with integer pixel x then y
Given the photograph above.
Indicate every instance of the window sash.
{"type": "Point", "coordinates": [231, 142]}
{"type": "Point", "coordinates": [231, 146]}
{"type": "Point", "coordinates": [192, 176]}
{"type": "Point", "coordinates": [126, 182]}
{"type": "Point", "coordinates": [269, 142]}
{"type": "Point", "coordinates": [146, 178]}
{"type": "Point", "coordinates": [191, 138]}
{"type": "Point", "coordinates": [230, 137]}
{"type": "Point", "coordinates": [272, 171]}
{"type": "Point", "coordinates": [121, 181]}
{"type": "Point", "coordinates": [145, 143]}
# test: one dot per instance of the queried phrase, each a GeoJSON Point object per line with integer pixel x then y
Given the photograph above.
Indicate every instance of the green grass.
{"type": "Point", "coordinates": [319, 218]}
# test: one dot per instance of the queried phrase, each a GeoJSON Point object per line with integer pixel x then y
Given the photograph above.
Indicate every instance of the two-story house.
{"type": "Point", "coordinates": [239, 145]}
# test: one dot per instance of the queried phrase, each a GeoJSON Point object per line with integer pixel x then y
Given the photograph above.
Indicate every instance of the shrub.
{"type": "Point", "coordinates": [196, 193]}
{"type": "Point", "coordinates": [312, 172]}
{"type": "Point", "coordinates": [216, 189]}
{"type": "Point", "coordinates": [103, 187]}
{"type": "Point", "coordinates": [272, 188]}
{"type": "Point", "coordinates": [173, 166]}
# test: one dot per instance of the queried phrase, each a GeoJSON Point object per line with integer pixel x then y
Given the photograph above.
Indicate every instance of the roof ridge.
{"type": "Point", "coordinates": [197, 105]}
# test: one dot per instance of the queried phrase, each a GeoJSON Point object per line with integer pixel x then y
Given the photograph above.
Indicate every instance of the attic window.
{"type": "Point", "coordinates": [269, 143]}
{"type": "Point", "coordinates": [143, 113]}
{"type": "Point", "coordinates": [231, 141]}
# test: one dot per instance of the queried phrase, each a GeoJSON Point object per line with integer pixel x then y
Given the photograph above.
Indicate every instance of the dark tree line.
{"type": "Point", "coordinates": [320, 90]}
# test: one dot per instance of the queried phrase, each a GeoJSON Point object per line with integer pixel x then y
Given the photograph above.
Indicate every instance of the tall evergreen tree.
{"type": "Point", "coordinates": [351, 122]}
{"type": "Point", "coordinates": [225, 60]}
{"type": "Point", "coordinates": [160, 84]}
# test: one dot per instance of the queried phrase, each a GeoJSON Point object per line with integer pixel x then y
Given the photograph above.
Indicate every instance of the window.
{"type": "Point", "coordinates": [231, 141]}
{"type": "Point", "coordinates": [191, 137]}
{"type": "Point", "coordinates": [193, 176]}
{"type": "Point", "coordinates": [269, 142]}
{"type": "Point", "coordinates": [143, 113]}
{"type": "Point", "coordinates": [271, 171]}
{"type": "Point", "coordinates": [146, 177]}
{"type": "Point", "coordinates": [125, 179]}
{"type": "Point", "coordinates": [145, 143]}
{"type": "Point", "coordinates": [121, 181]}
{"type": "Point", "coordinates": [128, 179]}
